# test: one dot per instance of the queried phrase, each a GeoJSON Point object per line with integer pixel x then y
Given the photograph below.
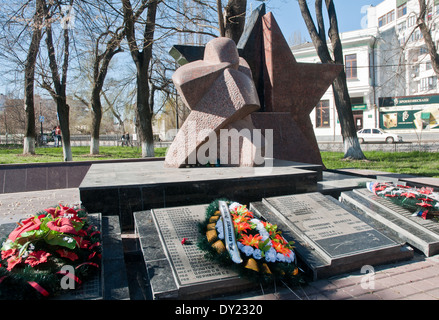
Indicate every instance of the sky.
{"type": "Point", "coordinates": [289, 18]}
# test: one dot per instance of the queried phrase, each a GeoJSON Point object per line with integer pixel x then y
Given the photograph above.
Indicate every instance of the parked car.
{"type": "Point", "coordinates": [377, 135]}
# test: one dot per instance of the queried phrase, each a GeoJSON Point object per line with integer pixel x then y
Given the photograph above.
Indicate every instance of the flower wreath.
{"type": "Point", "coordinates": [34, 253]}
{"type": "Point", "coordinates": [266, 254]}
{"type": "Point", "coordinates": [423, 202]}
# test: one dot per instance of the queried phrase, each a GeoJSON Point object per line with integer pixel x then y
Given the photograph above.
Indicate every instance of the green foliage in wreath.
{"type": "Point", "coordinates": [44, 248]}
{"type": "Point", "coordinates": [255, 267]}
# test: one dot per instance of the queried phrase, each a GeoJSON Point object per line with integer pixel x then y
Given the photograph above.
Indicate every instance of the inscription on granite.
{"type": "Point", "coordinates": [428, 224]}
{"type": "Point", "coordinates": [187, 260]}
{"type": "Point", "coordinates": [330, 227]}
{"type": "Point", "coordinates": [419, 233]}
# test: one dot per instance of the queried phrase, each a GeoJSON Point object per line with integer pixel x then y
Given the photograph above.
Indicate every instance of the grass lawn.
{"type": "Point", "coordinates": [415, 163]}
{"type": "Point", "coordinates": [51, 154]}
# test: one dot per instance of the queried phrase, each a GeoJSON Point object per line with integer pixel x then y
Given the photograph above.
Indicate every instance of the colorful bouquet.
{"type": "Point", "coordinates": [423, 202]}
{"type": "Point", "coordinates": [35, 254]}
{"type": "Point", "coordinates": [266, 255]}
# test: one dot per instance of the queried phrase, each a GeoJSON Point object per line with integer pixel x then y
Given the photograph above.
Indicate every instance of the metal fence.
{"type": "Point", "coordinates": [423, 146]}
{"type": "Point", "coordinates": [78, 140]}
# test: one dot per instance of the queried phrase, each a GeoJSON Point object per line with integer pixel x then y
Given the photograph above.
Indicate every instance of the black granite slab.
{"type": "Point", "coordinates": [178, 271]}
{"type": "Point", "coordinates": [331, 239]}
{"type": "Point", "coordinates": [419, 233]}
{"type": "Point", "coordinates": [122, 188]}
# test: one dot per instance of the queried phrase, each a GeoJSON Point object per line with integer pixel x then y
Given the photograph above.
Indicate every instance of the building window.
{"type": "Point", "coordinates": [322, 114]}
{"type": "Point", "coordinates": [428, 66]}
{"type": "Point", "coordinates": [429, 83]}
{"type": "Point", "coordinates": [412, 21]}
{"type": "Point", "coordinates": [387, 18]}
{"type": "Point", "coordinates": [351, 66]}
{"type": "Point", "coordinates": [402, 10]}
{"type": "Point", "coordinates": [391, 16]}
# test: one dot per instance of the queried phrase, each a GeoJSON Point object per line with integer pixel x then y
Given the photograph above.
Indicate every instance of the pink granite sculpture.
{"type": "Point", "coordinates": [221, 94]}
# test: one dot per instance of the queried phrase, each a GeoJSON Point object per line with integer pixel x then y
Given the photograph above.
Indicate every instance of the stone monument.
{"type": "Point", "coordinates": [287, 90]}
{"type": "Point", "coordinates": [221, 94]}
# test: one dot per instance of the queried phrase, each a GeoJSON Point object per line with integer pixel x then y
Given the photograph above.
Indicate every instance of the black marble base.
{"type": "Point", "coordinates": [122, 188]}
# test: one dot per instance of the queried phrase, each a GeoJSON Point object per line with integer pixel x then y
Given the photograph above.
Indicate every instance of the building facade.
{"type": "Point", "coordinates": [388, 69]}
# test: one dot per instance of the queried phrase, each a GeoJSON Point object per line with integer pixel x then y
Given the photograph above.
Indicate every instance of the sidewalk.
{"type": "Point", "coordinates": [417, 279]}
{"type": "Point", "coordinates": [15, 206]}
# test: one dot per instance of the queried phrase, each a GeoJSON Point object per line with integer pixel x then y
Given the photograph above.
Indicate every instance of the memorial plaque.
{"type": "Point", "coordinates": [176, 270]}
{"type": "Point", "coordinates": [421, 234]}
{"type": "Point", "coordinates": [326, 228]}
{"type": "Point", "coordinates": [333, 229]}
{"type": "Point", "coordinates": [187, 260]}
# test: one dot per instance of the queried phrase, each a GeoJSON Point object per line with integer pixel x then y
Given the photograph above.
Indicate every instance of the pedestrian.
{"type": "Point", "coordinates": [54, 135]}
{"type": "Point", "coordinates": [123, 140]}
{"type": "Point", "coordinates": [58, 136]}
{"type": "Point", "coordinates": [127, 137]}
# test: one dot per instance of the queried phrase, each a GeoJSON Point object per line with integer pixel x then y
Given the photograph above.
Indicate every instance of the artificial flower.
{"type": "Point", "coordinates": [8, 253]}
{"type": "Point", "coordinates": [13, 261]}
{"type": "Point", "coordinates": [270, 255]}
{"type": "Point", "coordinates": [32, 223]}
{"type": "Point", "coordinates": [280, 257]}
{"type": "Point", "coordinates": [67, 254]}
{"type": "Point", "coordinates": [247, 250]}
{"type": "Point", "coordinates": [280, 248]}
{"type": "Point", "coordinates": [62, 225]}
{"type": "Point", "coordinates": [408, 195]}
{"type": "Point", "coordinates": [250, 240]}
{"type": "Point", "coordinates": [82, 243]}
{"type": "Point", "coordinates": [35, 258]}
{"type": "Point", "coordinates": [257, 254]}
{"type": "Point", "coordinates": [424, 205]}
{"type": "Point", "coordinates": [242, 227]}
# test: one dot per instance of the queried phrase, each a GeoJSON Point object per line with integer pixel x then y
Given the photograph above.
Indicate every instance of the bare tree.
{"type": "Point", "coordinates": [141, 55]}
{"type": "Point", "coordinates": [234, 19]}
{"type": "Point", "coordinates": [58, 91]}
{"type": "Point", "coordinates": [29, 79]}
{"type": "Point", "coordinates": [352, 148]}
{"type": "Point", "coordinates": [231, 23]}
{"type": "Point", "coordinates": [100, 69]}
{"type": "Point", "coordinates": [426, 33]}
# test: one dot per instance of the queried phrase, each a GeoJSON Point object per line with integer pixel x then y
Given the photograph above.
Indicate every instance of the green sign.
{"type": "Point", "coordinates": [396, 120]}
{"type": "Point", "coordinates": [356, 107]}
{"type": "Point", "coordinates": [408, 101]}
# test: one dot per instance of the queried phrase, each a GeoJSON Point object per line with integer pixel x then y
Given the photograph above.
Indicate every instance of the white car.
{"type": "Point", "coordinates": [377, 135]}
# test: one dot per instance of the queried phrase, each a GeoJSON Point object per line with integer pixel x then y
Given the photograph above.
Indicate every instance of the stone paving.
{"type": "Point", "coordinates": [417, 279]}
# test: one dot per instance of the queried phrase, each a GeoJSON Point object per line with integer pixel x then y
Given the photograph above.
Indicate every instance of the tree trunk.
{"type": "Point", "coordinates": [144, 113]}
{"type": "Point", "coordinates": [342, 100]}
{"type": "Point", "coordinates": [431, 47]}
{"type": "Point", "coordinates": [29, 79]}
{"type": "Point", "coordinates": [100, 69]}
{"type": "Point", "coordinates": [96, 117]}
{"type": "Point", "coordinates": [63, 110]}
{"type": "Point", "coordinates": [142, 59]}
{"type": "Point", "coordinates": [59, 91]}
{"type": "Point", "coordinates": [234, 19]}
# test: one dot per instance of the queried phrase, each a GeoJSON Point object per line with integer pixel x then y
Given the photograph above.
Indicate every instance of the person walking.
{"type": "Point", "coordinates": [58, 136]}
{"type": "Point", "coordinates": [127, 139]}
